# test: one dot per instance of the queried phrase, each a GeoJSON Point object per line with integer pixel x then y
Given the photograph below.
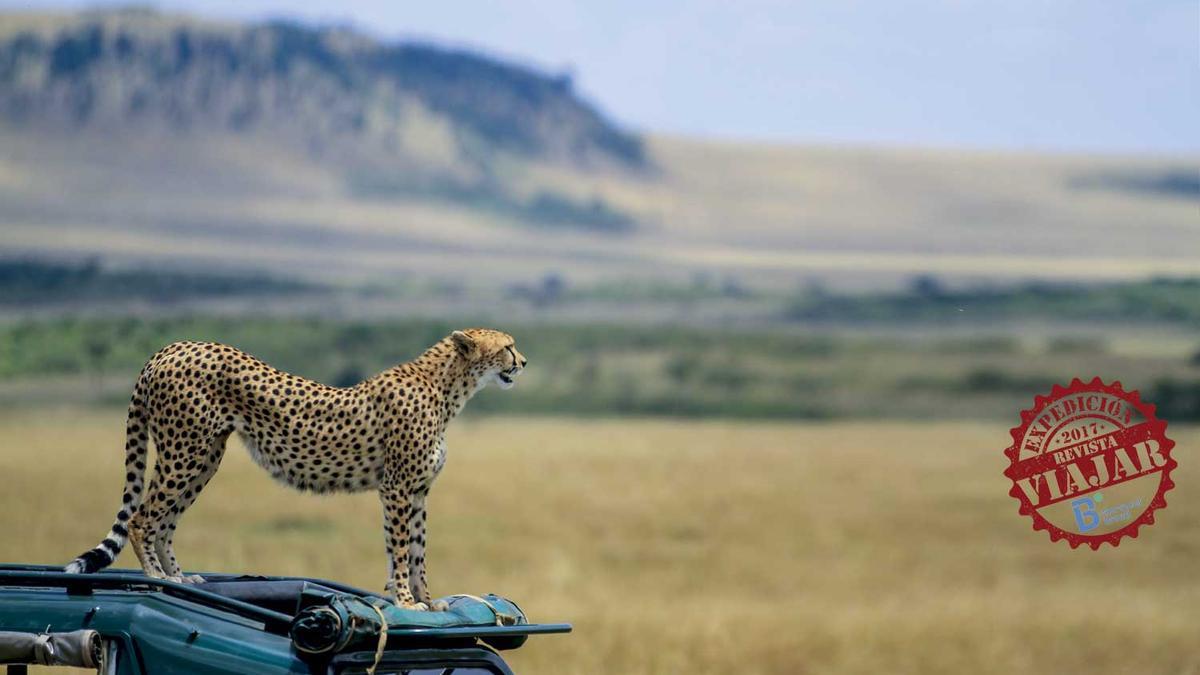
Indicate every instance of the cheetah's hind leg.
{"type": "Point", "coordinates": [208, 459]}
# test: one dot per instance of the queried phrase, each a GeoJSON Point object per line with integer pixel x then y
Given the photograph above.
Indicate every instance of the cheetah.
{"type": "Point", "coordinates": [386, 433]}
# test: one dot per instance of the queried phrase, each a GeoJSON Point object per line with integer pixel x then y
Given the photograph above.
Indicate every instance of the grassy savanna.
{"type": "Point", "coordinates": [699, 547]}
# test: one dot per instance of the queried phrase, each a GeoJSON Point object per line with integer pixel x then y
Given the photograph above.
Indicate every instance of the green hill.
{"type": "Point", "coordinates": [405, 118]}
{"type": "Point", "coordinates": [328, 86]}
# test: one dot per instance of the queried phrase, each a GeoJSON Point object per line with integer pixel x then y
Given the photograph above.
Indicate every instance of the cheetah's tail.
{"type": "Point", "coordinates": [137, 434]}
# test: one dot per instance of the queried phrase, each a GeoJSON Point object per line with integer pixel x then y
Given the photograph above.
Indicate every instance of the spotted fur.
{"type": "Point", "coordinates": [386, 433]}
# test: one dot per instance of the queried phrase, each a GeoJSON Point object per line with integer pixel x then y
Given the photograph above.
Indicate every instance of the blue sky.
{"type": "Point", "coordinates": [1075, 75]}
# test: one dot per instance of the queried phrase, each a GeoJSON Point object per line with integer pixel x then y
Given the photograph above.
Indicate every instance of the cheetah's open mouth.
{"type": "Point", "coordinates": [505, 378]}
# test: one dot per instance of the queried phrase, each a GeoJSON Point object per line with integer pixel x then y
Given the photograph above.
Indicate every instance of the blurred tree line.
{"type": "Point", "coordinates": [929, 299]}
{"type": "Point", "coordinates": [33, 282]}
{"type": "Point", "coordinates": [590, 369]}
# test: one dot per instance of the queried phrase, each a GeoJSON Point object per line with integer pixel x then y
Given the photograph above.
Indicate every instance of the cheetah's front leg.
{"type": "Point", "coordinates": [416, 552]}
{"type": "Point", "coordinates": [397, 508]}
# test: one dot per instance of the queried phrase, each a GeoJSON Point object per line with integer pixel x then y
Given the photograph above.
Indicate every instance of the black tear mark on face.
{"type": "Point", "coordinates": [506, 375]}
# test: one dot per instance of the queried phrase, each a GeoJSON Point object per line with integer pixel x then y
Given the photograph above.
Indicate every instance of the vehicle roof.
{"type": "Point", "coordinates": [254, 597]}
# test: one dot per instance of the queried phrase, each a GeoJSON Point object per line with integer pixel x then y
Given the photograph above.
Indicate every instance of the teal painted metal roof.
{"type": "Point", "coordinates": [185, 625]}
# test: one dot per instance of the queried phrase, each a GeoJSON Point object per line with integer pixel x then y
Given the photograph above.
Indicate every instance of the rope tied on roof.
{"type": "Point", "coordinates": [383, 635]}
{"type": "Point", "coordinates": [502, 619]}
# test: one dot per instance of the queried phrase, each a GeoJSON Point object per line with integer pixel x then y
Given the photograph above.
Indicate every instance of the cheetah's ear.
{"type": "Point", "coordinates": [465, 344]}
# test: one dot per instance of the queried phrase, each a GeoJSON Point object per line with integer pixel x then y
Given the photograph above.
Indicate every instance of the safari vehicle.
{"type": "Point", "coordinates": [121, 622]}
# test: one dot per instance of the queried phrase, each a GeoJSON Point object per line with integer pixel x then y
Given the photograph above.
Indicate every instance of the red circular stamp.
{"type": "Point", "coordinates": [1090, 463]}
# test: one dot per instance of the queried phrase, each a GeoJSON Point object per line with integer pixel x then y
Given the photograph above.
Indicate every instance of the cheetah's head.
{"type": "Point", "coordinates": [492, 355]}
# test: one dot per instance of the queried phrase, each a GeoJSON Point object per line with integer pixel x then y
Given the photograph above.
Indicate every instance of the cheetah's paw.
{"type": "Point", "coordinates": [187, 579]}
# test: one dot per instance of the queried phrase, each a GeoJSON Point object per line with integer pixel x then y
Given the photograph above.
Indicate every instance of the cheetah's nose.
{"type": "Point", "coordinates": [524, 361]}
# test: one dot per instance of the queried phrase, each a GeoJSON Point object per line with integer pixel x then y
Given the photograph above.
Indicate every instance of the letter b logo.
{"type": "Point", "coordinates": [1085, 514]}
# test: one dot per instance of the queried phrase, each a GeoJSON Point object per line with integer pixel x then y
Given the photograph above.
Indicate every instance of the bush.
{"type": "Point", "coordinates": [1176, 400]}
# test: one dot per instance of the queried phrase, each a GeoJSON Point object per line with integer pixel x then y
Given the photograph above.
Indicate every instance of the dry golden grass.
{"type": "Point", "coordinates": [691, 547]}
